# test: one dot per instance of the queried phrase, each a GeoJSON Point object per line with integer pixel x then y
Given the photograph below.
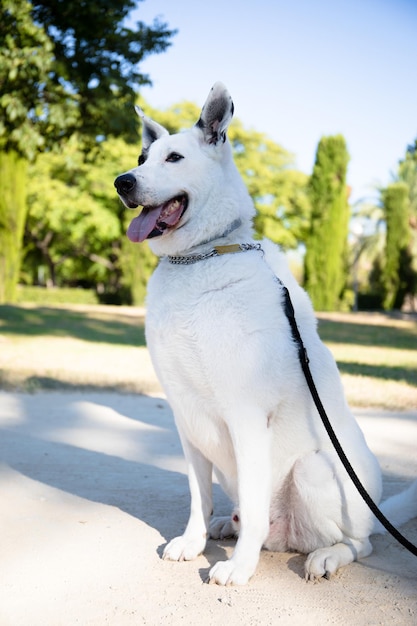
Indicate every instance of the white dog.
{"type": "Point", "coordinates": [222, 348]}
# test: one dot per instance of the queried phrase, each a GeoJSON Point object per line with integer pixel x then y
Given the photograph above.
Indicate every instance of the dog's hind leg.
{"type": "Point", "coordinates": [252, 445]}
{"type": "Point", "coordinates": [328, 518]}
{"type": "Point", "coordinates": [192, 543]}
{"type": "Point", "coordinates": [325, 562]}
{"type": "Point", "coordinates": [222, 528]}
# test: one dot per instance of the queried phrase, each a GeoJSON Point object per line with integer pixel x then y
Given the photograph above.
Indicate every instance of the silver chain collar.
{"type": "Point", "coordinates": [217, 251]}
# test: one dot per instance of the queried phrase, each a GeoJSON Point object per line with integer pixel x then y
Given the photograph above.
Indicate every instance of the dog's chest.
{"type": "Point", "coordinates": [193, 314]}
{"type": "Point", "coordinates": [207, 322]}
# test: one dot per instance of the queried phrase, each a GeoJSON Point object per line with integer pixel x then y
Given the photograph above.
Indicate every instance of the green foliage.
{"type": "Point", "coordinates": [69, 67]}
{"type": "Point", "coordinates": [69, 71]}
{"type": "Point", "coordinates": [71, 219]}
{"type": "Point", "coordinates": [368, 253]}
{"type": "Point", "coordinates": [177, 117]}
{"type": "Point", "coordinates": [97, 57]}
{"type": "Point", "coordinates": [326, 256]}
{"type": "Point", "coordinates": [26, 60]}
{"type": "Point", "coordinates": [407, 172]}
{"type": "Point", "coordinates": [137, 263]}
{"type": "Point", "coordinates": [12, 219]}
{"type": "Point", "coordinates": [397, 268]}
{"type": "Point", "coordinates": [279, 192]}
{"type": "Point", "coordinates": [390, 245]}
{"type": "Point", "coordinates": [76, 224]}
{"type": "Point", "coordinates": [46, 297]}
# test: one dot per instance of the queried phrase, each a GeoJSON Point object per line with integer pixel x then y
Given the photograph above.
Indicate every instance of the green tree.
{"type": "Point", "coordinates": [12, 217]}
{"type": "Point", "coordinates": [376, 287]}
{"type": "Point", "coordinates": [325, 263]}
{"type": "Point", "coordinates": [25, 59]}
{"type": "Point", "coordinates": [75, 230]}
{"type": "Point", "coordinates": [65, 68]}
{"type": "Point", "coordinates": [397, 272]}
{"type": "Point", "coordinates": [407, 173]}
{"type": "Point", "coordinates": [367, 252]}
{"type": "Point", "coordinates": [278, 190]}
{"type": "Point", "coordinates": [72, 223]}
{"type": "Point", "coordinates": [97, 59]}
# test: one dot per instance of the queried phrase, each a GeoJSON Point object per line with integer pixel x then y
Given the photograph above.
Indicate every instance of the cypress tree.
{"type": "Point", "coordinates": [325, 264]}
{"type": "Point", "coordinates": [397, 265]}
{"type": "Point", "coordinates": [12, 220]}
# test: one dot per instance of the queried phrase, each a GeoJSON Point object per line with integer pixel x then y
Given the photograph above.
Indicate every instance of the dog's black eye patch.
{"type": "Point", "coordinates": [141, 159]}
{"type": "Point", "coordinates": [174, 157]}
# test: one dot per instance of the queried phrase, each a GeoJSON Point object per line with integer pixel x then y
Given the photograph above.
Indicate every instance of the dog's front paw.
{"type": "Point", "coordinates": [322, 563]}
{"type": "Point", "coordinates": [184, 548]}
{"type": "Point", "coordinates": [230, 573]}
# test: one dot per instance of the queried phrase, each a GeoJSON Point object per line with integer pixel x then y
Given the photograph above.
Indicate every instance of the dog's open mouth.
{"type": "Point", "coordinates": [153, 221]}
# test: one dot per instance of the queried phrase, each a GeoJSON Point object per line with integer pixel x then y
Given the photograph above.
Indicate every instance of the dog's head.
{"type": "Point", "coordinates": [186, 183]}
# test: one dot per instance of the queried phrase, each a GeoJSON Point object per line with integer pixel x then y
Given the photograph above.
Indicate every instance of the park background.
{"type": "Point", "coordinates": [324, 136]}
{"type": "Point", "coordinates": [92, 474]}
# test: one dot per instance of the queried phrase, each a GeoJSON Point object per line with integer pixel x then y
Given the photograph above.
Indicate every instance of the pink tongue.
{"type": "Point", "coordinates": [143, 224]}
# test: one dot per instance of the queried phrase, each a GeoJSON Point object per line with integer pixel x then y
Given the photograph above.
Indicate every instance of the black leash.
{"type": "Point", "coordinates": [304, 361]}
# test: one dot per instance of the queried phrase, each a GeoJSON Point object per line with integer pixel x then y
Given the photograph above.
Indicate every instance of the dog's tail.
{"type": "Point", "coordinates": [398, 509]}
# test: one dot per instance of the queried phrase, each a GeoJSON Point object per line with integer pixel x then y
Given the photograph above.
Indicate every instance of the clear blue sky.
{"type": "Point", "coordinates": [297, 70]}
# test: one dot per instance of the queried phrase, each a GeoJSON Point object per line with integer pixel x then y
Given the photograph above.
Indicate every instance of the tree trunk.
{"type": "Point", "coordinates": [13, 208]}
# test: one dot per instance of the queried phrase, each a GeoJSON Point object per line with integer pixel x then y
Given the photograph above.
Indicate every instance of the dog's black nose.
{"type": "Point", "coordinates": [125, 183]}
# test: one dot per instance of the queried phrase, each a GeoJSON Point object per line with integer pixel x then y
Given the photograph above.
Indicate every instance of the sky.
{"type": "Point", "coordinates": [298, 70]}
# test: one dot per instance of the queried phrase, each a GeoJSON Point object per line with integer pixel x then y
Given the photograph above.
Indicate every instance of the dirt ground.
{"type": "Point", "coordinates": [93, 485]}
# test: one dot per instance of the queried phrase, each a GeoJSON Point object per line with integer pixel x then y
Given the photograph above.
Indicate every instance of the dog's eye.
{"type": "Point", "coordinates": [174, 157]}
{"type": "Point", "coordinates": [141, 159]}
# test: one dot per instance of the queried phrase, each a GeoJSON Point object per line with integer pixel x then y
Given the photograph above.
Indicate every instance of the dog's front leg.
{"type": "Point", "coordinates": [192, 543]}
{"type": "Point", "coordinates": [252, 444]}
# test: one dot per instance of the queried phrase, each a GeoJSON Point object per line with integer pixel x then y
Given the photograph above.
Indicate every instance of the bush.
{"type": "Point", "coordinates": [55, 295]}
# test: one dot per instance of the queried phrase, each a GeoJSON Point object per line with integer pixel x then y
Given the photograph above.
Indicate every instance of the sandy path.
{"type": "Point", "coordinates": [92, 486]}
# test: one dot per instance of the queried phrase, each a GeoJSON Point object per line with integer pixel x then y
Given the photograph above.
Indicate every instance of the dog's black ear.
{"type": "Point", "coordinates": [216, 114]}
{"type": "Point", "coordinates": [151, 130]}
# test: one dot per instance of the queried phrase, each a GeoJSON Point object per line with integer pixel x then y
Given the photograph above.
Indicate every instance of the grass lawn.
{"type": "Point", "coordinates": [377, 356]}
{"type": "Point", "coordinates": [74, 347]}
{"type": "Point", "coordinates": [99, 347]}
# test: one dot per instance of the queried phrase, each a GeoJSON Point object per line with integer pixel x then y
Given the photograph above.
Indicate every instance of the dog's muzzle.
{"type": "Point", "coordinates": [154, 220]}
